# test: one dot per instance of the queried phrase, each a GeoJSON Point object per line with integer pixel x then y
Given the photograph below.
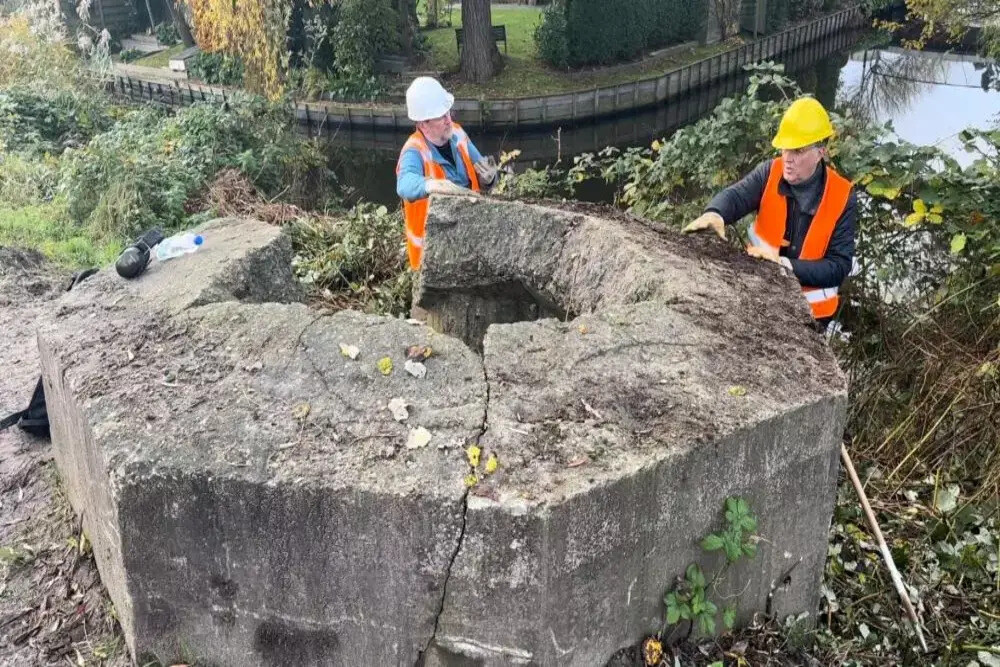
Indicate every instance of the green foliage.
{"type": "Point", "coordinates": [47, 228]}
{"type": "Point", "coordinates": [739, 523]}
{"type": "Point", "coordinates": [144, 170]}
{"type": "Point", "coordinates": [130, 55]}
{"type": "Point", "coordinates": [689, 600]}
{"type": "Point", "coordinates": [678, 176]}
{"type": "Point", "coordinates": [596, 35]}
{"type": "Point", "coordinates": [551, 40]}
{"type": "Point", "coordinates": [40, 122]}
{"type": "Point", "coordinates": [166, 33]}
{"type": "Point", "coordinates": [357, 260]}
{"type": "Point", "coordinates": [217, 69]}
{"type": "Point", "coordinates": [26, 179]}
{"type": "Point", "coordinates": [365, 29]}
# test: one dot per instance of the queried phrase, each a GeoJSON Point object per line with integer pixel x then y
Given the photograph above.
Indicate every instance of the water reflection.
{"type": "Point", "coordinates": [929, 97]}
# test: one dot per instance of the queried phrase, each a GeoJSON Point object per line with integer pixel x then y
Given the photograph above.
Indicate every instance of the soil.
{"type": "Point", "coordinates": [53, 607]}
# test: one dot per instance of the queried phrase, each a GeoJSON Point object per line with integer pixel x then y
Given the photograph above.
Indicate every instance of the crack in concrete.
{"type": "Point", "coordinates": [422, 655]}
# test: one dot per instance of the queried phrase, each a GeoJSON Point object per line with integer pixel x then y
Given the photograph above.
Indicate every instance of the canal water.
{"type": "Point", "coordinates": [929, 97]}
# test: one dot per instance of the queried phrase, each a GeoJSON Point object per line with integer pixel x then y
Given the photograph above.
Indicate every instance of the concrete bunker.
{"type": "Point", "coordinates": [249, 493]}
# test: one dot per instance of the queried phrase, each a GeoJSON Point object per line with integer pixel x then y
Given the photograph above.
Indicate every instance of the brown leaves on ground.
{"type": "Point", "coordinates": [231, 194]}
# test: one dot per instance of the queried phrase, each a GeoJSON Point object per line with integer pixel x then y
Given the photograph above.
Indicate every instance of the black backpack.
{"type": "Point", "coordinates": [35, 418]}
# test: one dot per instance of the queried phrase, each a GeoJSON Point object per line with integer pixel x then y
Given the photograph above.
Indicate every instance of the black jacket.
{"type": "Point", "coordinates": [744, 197]}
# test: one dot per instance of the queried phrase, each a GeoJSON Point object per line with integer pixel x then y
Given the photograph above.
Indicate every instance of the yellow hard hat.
{"type": "Point", "coordinates": [804, 123]}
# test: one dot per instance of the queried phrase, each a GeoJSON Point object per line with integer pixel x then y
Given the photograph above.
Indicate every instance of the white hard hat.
{"type": "Point", "coordinates": [426, 99]}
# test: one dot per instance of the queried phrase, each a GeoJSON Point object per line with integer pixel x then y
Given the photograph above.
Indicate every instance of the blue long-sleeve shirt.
{"type": "Point", "coordinates": [410, 180]}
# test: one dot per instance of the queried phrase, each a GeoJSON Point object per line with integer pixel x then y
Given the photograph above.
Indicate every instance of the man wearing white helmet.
{"type": "Point", "coordinates": [438, 158]}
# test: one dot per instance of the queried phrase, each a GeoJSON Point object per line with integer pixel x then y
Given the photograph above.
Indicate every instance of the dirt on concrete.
{"type": "Point", "coordinates": [53, 607]}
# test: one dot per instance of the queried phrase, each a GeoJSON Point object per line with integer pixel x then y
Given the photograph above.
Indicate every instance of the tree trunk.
{"type": "Point", "coordinates": [406, 10]}
{"type": "Point", "coordinates": [177, 16]}
{"type": "Point", "coordinates": [480, 56]}
{"type": "Point", "coordinates": [432, 13]}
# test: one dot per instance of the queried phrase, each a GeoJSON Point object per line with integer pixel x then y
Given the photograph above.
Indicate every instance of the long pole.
{"type": "Point", "coordinates": [886, 554]}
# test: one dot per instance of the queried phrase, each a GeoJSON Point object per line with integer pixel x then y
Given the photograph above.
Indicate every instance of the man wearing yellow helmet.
{"type": "Point", "coordinates": [806, 211]}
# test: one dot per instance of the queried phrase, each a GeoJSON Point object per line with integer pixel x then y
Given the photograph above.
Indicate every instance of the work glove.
{"type": "Point", "coordinates": [442, 186]}
{"type": "Point", "coordinates": [708, 220]}
{"type": "Point", "coordinates": [769, 255]}
{"type": "Point", "coordinates": [487, 170]}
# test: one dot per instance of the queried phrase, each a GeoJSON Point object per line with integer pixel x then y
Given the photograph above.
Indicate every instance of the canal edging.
{"type": "Point", "coordinates": [513, 113]}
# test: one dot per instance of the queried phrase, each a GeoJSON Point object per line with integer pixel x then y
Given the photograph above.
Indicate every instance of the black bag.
{"type": "Point", "coordinates": [35, 418]}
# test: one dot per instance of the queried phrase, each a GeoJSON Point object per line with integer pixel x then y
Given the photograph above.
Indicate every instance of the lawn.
{"type": "Point", "coordinates": [524, 75]}
{"type": "Point", "coordinates": [161, 58]}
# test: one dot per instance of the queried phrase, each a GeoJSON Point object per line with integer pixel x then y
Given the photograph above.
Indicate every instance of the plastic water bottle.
{"type": "Point", "coordinates": [177, 245]}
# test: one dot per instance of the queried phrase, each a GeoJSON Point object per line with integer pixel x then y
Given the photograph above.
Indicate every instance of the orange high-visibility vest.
{"type": "Point", "coordinates": [415, 212]}
{"type": "Point", "coordinates": [768, 231]}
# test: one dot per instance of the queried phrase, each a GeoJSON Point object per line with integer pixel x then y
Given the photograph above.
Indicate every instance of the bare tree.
{"type": "Point", "coordinates": [480, 56]}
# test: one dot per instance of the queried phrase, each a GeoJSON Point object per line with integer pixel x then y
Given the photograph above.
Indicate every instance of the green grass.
{"type": "Point", "coordinates": [524, 75]}
{"type": "Point", "coordinates": [47, 227]}
{"type": "Point", "coordinates": [162, 58]}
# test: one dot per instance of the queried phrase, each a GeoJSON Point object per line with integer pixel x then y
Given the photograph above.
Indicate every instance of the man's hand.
{"type": "Point", "coordinates": [442, 186]}
{"type": "Point", "coordinates": [769, 255]}
{"type": "Point", "coordinates": [708, 220]}
{"type": "Point", "coordinates": [487, 170]}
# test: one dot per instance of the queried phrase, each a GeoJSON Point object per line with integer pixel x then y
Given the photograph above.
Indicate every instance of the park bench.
{"type": "Point", "coordinates": [499, 35]}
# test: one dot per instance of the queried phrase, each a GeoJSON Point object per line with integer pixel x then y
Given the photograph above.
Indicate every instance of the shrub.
{"type": "Point", "coordinates": [145, 169]}
{"type": "Point", "coordinates": [364, 29]}
{"type": "Point", "coordinates": [166, 33]}
{"type": "Point", "coordinates": [217, 69]}
{"type": "Point", "coordinates": [550, 36]}
{"type": "Point", "coordinates": [48, 122]}
{"type": "Point", "coordinates": [594, 35]}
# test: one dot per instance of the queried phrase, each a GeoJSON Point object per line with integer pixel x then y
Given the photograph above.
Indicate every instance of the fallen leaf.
{"type": "Point", "coordinates": [349, 351]}
{"type": "Point", "coordinates": [471, 480]}
{"type": "Point", "coordinates": [419, 352]}
{"type": "Point", "coordinates": [947, 498]}
{"type": "Point", "coordinates": [583, 329]}
{"type": "Point", "coordinates": [397, 407]}
{"type": "Point", "coordinates": [578, 461]}
{"type": "Point", "coordinates": [472, 453]}
{"type": "Point", "coordinates": [737, 390]}
{"type": "Point", "coordinates": [301, 411]}
{"type": "Point", "coordinates": [492, 463]}
{"type": "Point", "coordinates": [652, 651]}
{"type": "Point", "coordinates": [419, 437]}
{"type": "Point", "coordinates": [415, 368]}
{"type": "Point", "coordinates": [384, 366]}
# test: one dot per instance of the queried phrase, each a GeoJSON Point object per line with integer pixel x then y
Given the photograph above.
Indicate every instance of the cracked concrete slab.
{"type": "Point", "coordinates": [249, 497]}
{"type": "Point", "coordinates": [686, 375]}
{"type": "Point", "coordinates": [252, 500]}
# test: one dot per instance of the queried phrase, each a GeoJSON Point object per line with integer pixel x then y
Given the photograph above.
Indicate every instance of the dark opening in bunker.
{"type": "Point", "coordinates": [467, 313]}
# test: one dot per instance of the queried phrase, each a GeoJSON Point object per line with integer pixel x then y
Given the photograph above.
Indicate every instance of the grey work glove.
{"type": "Point", "coordinates": [487, 170]}
{"type": "Point", "coordinates": [442, 186]}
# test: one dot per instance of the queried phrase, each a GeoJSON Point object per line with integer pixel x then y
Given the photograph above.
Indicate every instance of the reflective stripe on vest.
{"type": "Point", "coordinates": [768, 231]}
{"type": "Point", "coordinates": [415, 212]}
